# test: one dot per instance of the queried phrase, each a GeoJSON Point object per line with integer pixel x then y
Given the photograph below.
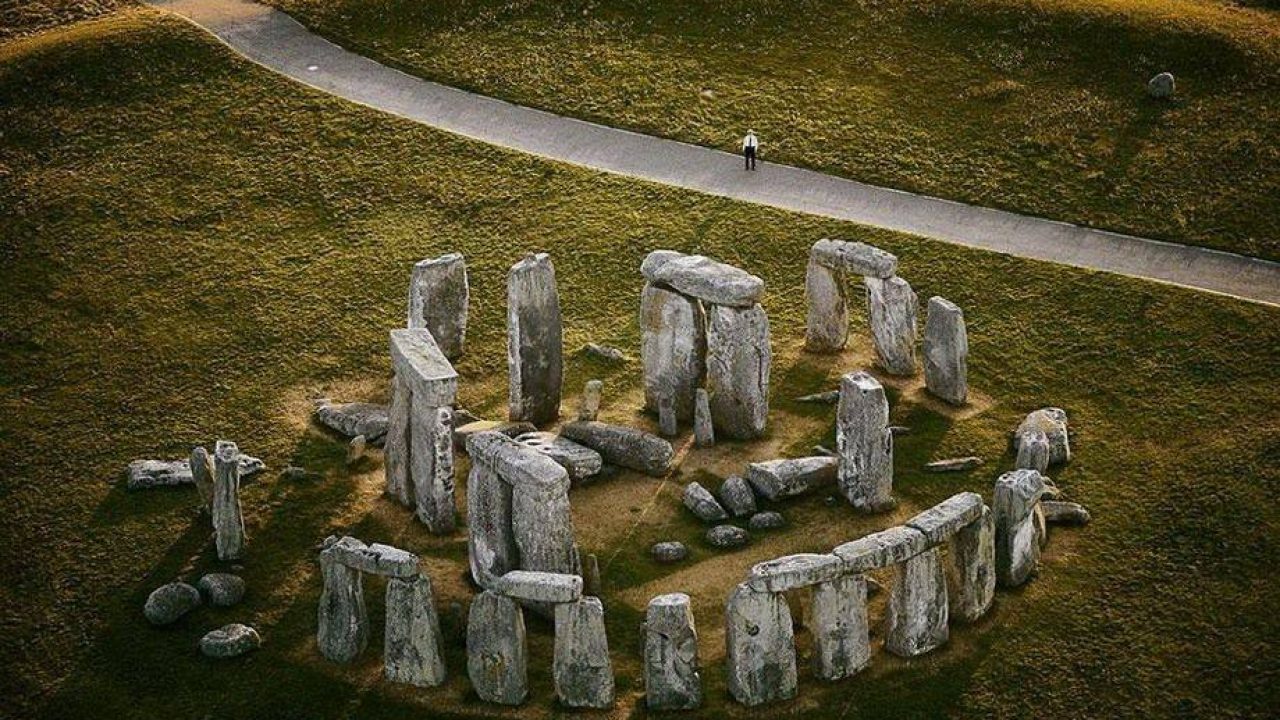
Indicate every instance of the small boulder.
{"type": "Point", "coordinates": [727, 536]}
{"type": "Point", "coordinates": [351, 419]}
{"type": "Point", "coordinates": [230, 641]}
{"type": "Point", "coordinates": [221, 589]}
{"type": "Point", "coordinates": [737, 496]}
{"type": "Point", "coordinates": [169, 602]}
{"type": "Point", "coordinates": [1064, 513]}
{"type": "Point", "coordinates": [767, 520]}
{"type": "Point", "coordinates": [669, 552]}
{"type": "Point", "coordinates": [1161, 86]}
{"type": "Point", "coordinates": [700, 502]}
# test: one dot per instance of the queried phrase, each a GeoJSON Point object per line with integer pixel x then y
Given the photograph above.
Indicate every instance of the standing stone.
{"type": "Point", "coordinates": [202, 476]}
{"type": "Point", "coordinates": [917, 611]}
{"type": "Point", "coordinates": [892, 306]}
{"type": "Point", "coordinates": [1016, 498]}
{"type": "Point", "coordinates": [228, 523]}
{"type": "Point", "coordinates": [946, 351]}
{"type": "Point", "coordinates": [582, 672]}
{"type": "Point", "coordinates": [668, 425]}
{"type": "Point", "coordinates": [671, 679]}
{"type": "Point", "coordinates": [1033, 451]}
{"type": "Point", "coordinates": [412, 649]}
{"type": "Point", "coordinates": [431, 464]}
{"type": "Point", "coordinates": [496, 654]}
{"type": "Point", "coordinates": [704, 434]}
{"type": "Point", "coordinates": [864, 443]}
{"type": "Point", "coordinates": [827, 326]}
{"type": "Point", "coordinates": [395, 449]}
{"type": "Point", "coordinates": [535, 344]}
{"type": "Point", "coordinates": [432, 385]}
{"type": "Point", "coordinates": [971, 568]}
{"type": "Point", "coordinates": [673, 348]}
{"type": "Point", "coordinates": [343, 629]}
{"type": "Point", "coordinates": [841, 631]}
{"type": "Point", "coordinates": [438, 299]}
{"type": "Point", "coordinates": [1052, 422]}
{"type": "Point", "coordinates": [590, 406]}
{"type": "Point", "coordinates": [738, 360]}
{"type": "Point", "coordinates": [592, 582]}
{"type": "Point", "coordinates": [491, 546]}
{"type": "Point", "coordinates": [760, 647]}
{"type": "Point", "coordinates": [736, 496]}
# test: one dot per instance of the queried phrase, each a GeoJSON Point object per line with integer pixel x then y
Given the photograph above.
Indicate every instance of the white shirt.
{"type": "Point", "coordinates": [750, 141]}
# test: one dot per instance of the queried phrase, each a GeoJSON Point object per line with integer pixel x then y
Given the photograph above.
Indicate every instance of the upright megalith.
{"type": "Point", "coordinates": [535, 344]}
{"type": "Point", "coordinates": [1016, 499]}
{"type": "Point", "coordinates": [438, 301]}
{"type": "Point", "coordinates": [760, 647]}
{"type": "Point", "coordinates": [971, 568]}
{"type": "Point", "coordinates": [491, 544]}
{"type": "Point", "coordinates": [412, 648]}
{"type": "Point", "coordinates": [589, 408]}
{"type": "Point", "coordinates": [671, 677]}
{"type": "Point", "coordinates": [673, 348]}
{"type": "Point", "coordinates": [1033, 450]}
{"type": "Point", "coordinates": [582, 671]}
{"type": "Point", "coordinates": [864, 444]}
{"type": "Point", "coordinates": [738, 363]}
{"type": "Point", "coordinates": [419, 447]}
{"type": "Point", "coordinates": [892, 307]}
{"type": "Point", "coordinates": [946, 351]}
{"type": "Point", "coordinates": [827, 323]}
{"type": "Point", "coordinates": [1052, 422]}
{"type": "Point", "coordinates": [497, 662]}
{"type": "Point", "coordinates": [840, 627]}
{"type": "Point", "coordinates": [704, 434]}
{"type": "Point", "coordinates": [343, 621]}
{"type": "Point", "coordinates": [202, 476]}
{"type": "Point", "coordinates": [916, 621]}
{"type": "Point", "coordinates": [228, 523]}
{"type": "Point", "coordinates": [395, 448]}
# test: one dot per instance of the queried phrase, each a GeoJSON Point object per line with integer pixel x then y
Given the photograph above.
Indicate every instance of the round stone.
{"type": "Point", "coordinates": [221, 589]}
{"type": "Point", "coordinates": [727, 536]}
{"type": "Point", "coordinates": [669, 552]}
{"type": "Point", "coordinates": [169, 602]}
{"type": "Point", "coordinates": [768, 520]}
{"type": "Point", "coordinates": [230, 641]}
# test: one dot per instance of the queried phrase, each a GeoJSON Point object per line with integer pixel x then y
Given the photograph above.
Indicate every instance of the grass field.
{"type": "Point", "coordinates": [1036, 106]}
{"type": "Point", "coordinates": [192, 248]}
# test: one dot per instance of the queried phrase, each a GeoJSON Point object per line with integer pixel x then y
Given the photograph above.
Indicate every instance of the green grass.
{"type": "Point", "coordinates": [1036, 106]}
{"type": "Point", "coordinates": [192, 247]}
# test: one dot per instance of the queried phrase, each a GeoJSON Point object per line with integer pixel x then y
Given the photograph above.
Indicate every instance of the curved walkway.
{"type": "Point", "coordinates": [278, 42]}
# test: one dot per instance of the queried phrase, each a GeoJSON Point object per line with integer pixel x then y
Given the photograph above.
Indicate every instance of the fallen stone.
{"type": "Point", "coordinates": [827, 308]}
{"type": "Point", "coordinates": [704, 434]}
{"type": "Point", "coordinates": [946, 351]}
{"type": "Point", "coordinates": [581, 670]}
{"type": "Point", "coordinates": [539, 587]}
{"type": "Point", "coordinates": [864, 443]}
{"type": "Point", "coordinates": [1053, 423]}
{"type": "Point", "coordinates": [703, 278]}
{"type": "Point", "coordinates": [1065, 513]}
{"type": "Point", "coordinates": [882, 549]}
{"type": "Point", "coordinates": [604, 352]}
{"type": "Point", "coordinates": [352, 419]}
{"type": "Point", "coordinates": [497, 660]}
{"type": "Point", "coordinates": [579, 461]}
{"type": "Point", "coordinates": [760, 647]}
{"type": "Point", "coordinates": [840, 627]}
{"type": "Point", "coordinates": [767, 520]}
{"type": "Point", "coordinates": [673, 348]}
{"type": "Point", "coordinates": [727, 536]}
{"type": "Point", "coordinates": [855, 258]}
{"type": "Point", "coordinates": [221, 589]}
{"type": "Point", "coordinates": [228, 523]}
{"type": "Point", "coordinates": [736, 496]}
{"type": "Point", "coordinates": [1016, 499]}
{"type": "Point", "coordinates": [738, 363]}
{"type": "Point", "coordinates": [829, 397]}
{"type": "Point", "coordinates": [628, 447]}
{"type": "Point", "coordinates": [438, 301]}
{"type": "Point", "coordinates": [535, 346]}
{"type": "Point", "coordinates": [411, 652]}
{"type": "Point", "coordinates": [669, 552]}
{"type": "Point", "coordinates": [960, 464]}
{"type": "Point", "coordinates": [230, 641]}
{"type": "Point", "coordinates": [589, 408]}
{"type": "Point", "coordinates": [702, 503]}
{"type": "Point", "coordinates": [917, 611]}
{"type": "Point", "coordinates": [169, 602]}
{"type": "Point", "coordinates": [892, 307]}
{"type": "Point", "coordinates": [511, 429]}
{"type": "Point", "coordinates": [971, 568]}
{"type": "Point", "coordinates": [1161, 86]}
{"type": "Point", "coordinates": [147, 474]}
{"type": "Point", "coordinates": [671, 677]}
{"type": "Point", "coordinates": [342, 620]}
{"type": "Point", "coordinates": [943, 520]}
{"type": "Point", "coordinates": [777, 479]}
{"type": "Point", "coordinates": [791, 572]}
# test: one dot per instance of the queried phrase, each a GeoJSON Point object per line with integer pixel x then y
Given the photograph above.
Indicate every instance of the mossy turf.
{"type": "Point", "coordinates": [192, 248]}
{"type": "Point", "coordinates": [1036, 106]}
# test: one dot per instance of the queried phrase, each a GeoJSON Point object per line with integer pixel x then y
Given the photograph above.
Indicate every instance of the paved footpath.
{"type": "Point", "coordinates": [278, 42]}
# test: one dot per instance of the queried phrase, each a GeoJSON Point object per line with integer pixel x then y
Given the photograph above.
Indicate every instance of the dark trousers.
{"type": "Point", "coordinates": [749, 158]}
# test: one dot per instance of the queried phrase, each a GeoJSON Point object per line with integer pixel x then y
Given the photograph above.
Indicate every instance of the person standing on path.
{"type": "Point", "coordinates": [749, 147]}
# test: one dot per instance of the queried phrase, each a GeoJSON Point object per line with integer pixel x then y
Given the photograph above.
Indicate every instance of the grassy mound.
{"type": "Point", "coordinates": [193, 248]}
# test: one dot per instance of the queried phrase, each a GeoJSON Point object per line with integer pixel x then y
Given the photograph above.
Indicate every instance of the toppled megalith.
{"type": "Point", "coordinates": [438, 301]}
{"type": "Point", "coordinates": [864, 443]}
{"type": "Point", "coordinates": [411, 653]}
{"type": "Point", "coordinates": [228, 522]}
{"type": "Point", "coordinates": [1015, 504]}
{"type": "Point", "coordinates": [760, 647]}
{"type": "Point", "coordinates": [535, 343]}
{"type": "Point", "coordinates": [419, 444]}
{"type": "Point", "coordinates": [582, 671]}
{"type": "Point", "coordinates": [946, 351]}
{"type": "Point", "coordinates": [623, 446]}
{"type": "Point", "coordinates": [826, 293]}
{"type": "Point", "coordinates": [673, 348]}
{"type": "Point", "coordinates": [738, 363]}
{"type": "Point", "coordinates": [671, 677]}
{"type": "Point", "coordinates": [788, 477]}
{"type": "Point", "coordinates": [892, 307]}
{"type": "Point", "coordinates": [497, 661]}
{"type": "Point", "coordinates": [1052, 422]}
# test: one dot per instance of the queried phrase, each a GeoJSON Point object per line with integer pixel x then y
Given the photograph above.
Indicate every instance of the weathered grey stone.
{"type": "Point", "coordinates": [673, 348]}
{"type": "Point", "coordinates": [790, 572]}
{"type": "Point", "coordinates": [1064, 513]}
{"type": "Point", "coordinates": [229, 641]}
{"type": "Point", "coordinates": [624, 446]}
{"type": "Point", "coordinates": [855, 258]}
{"type": "Point", "coordinates": [671, 678]}
{"type": "Point", "coordinates": [704, 434]}
{"type": "Point", "coordinates": [146, 474]}
{"type": "Point", "coordinates": [228, 523]}
{"type": "Point", "coordinates": [738, 360]}
{"type": "Point", "coordinates": [736, 496]}
{"type": "Point", "coordinates": [1033, 451]}
{"type": "Point", "coordinates": [702, 503]}
{"type": "Point", "coordinates": [971, 568]}
{"type": "Point", "coordinates": [376, 558]}
{"type": "Point", "coordinates": [942, 520]}
{"type": "Point", "coordinates": [760, 647]}
{"type": "Point", "coordinates": [352, 419]}
{"type": "Point", "coordinates": [1016, 497]}
{"type": "Point", "coordinates": [461, 433]}
{"type": "Point", "coordinates": [411, 653]}
{"type": "Point", "coordinates": [864, 443]}
{"type": "Point", "coordinates": [438, 301]}
{"type": "Point", "coordinates": [767, 520]}
{"type": "Point", "coordinates": [535, 345]}
{"type": "Point", "coordinates": [589, 408]}
{"type": "Point", "coordinates": [727, 536]}
{"type": "Point", "coordinates": [491, 545]}
{"type": "Point", "coordinates": [581, 670]}
{"type": "Point", "coordinates": [221, 589]}
{"type": "Point", "coordinates": [703, 278]}
{"type": "Point", "coordinates": [1161, 86]}
{"type": "Point", "coordinates": [356, 449]}
{"type": "Point", "coordinates": [517, 463]}
{"type": "Point", "coordinates": [202, 476]}
{"type": "Point", "coordinates": [1052, 422]}
{"type": "Point", "coordinates": [668, 425]}
{"type": "Point", "coordinates": [958, 464]}
{"type": "Point", "coordinates": [543, 529]}
{"type": "Point", "coordinates": [497, 660]}
{"type": "Point", "coordinates": [828, 397]}
{"type": "Point", "coordinates": [540, 587]}
{"type": "Point", "coordinates": [946, 351]}
{"type": "Point", "coordinates": [917, 610]}
{"type": "Point", "coordinates": [827, 324]}
{"type": "Point", "coordinates": [169, 602]}
{"type": "Point", "coordinates": [892, 306]}
{"type": "Point", "coordinates": [431, 434]}
{"type": "Point", "coordinates": [592, 581]}
{"type": "Point", "coordinates": [778, 479]}
{"type": "Point", "coordinates": [840, 627]}
{"type": "Point", "coordinates": [418, 361]}
{"type": "Point", "coordinates": [604, 352]}
{"type": "Point", "coordinates": [882, 549]}
{"type": "Point", "coordinates": [669, 552]}
{"type": "Point", "coordinates": [395, 450]}
{"type": "Point", "coordinates": [578, 460]}
{"type": "Point", "coordinates": [343, 622]}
